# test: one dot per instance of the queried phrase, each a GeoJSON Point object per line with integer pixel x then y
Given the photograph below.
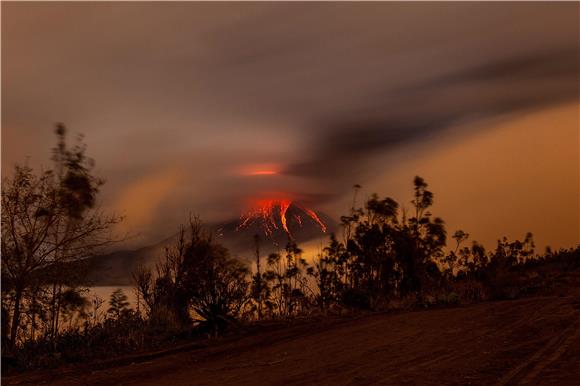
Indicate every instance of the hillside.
{"type": "Point", "coordinates": [529, 341]}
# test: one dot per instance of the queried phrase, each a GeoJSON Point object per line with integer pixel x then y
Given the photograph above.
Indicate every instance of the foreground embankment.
{"type": "Point", "coordinates": [530, 341]}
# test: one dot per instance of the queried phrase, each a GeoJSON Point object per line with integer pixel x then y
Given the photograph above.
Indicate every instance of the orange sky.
{"type": "Point", "coordinates": [506, 179]}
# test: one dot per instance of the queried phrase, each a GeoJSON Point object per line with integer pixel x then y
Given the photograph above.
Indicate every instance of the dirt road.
{"type": "Point", "coordinates": [533, 341]}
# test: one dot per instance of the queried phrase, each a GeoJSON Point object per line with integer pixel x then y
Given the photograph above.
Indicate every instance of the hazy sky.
{"type": "Point", "coordinates": [181, 102]}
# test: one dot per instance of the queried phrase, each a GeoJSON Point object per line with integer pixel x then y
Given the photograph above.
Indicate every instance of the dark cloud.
{"type": "Point", "coordinates": [503, 88]}
{"type": "Point", "coordinates": [533, 67]}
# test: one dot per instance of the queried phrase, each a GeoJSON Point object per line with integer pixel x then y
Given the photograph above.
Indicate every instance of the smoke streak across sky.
{"type": "Point", "coordinates": [198, 106]}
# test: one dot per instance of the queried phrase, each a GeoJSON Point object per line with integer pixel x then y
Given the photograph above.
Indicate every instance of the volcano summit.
{"type": "Point", "coordinates": [276, 221]}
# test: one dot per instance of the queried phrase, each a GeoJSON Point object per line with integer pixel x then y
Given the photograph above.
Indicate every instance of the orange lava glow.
{"type": "Point", "coordinates": [271, 215]}
{"type": "Point", "coordinates": [284, 205]}
{"type": "Point", "coordinates": [262, 173]}
{"type": "Point", "coordinates": [259, 170]}
{"type": "Point", "coordinates": [315, 217]}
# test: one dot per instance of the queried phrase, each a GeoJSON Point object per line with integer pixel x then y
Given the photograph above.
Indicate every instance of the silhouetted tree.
{"type": "Point", "coordinates": [259, 288]}
{"type": "Point", "coordinates": [73, 306]}
{"type": "Point", "coordinates": [197, 280]}
{"type": "Point", "coordinates": [143, 281]}
{"type": "Point", "coordinates": [421, 241]}
{"type": "Point", "coordinates": [329, 273]}
{"type": "Point", "coordinates": [118, 304]}
{"type": "Point", "coordinates": [287, 281]}
{"type": "Point", "coordinates": [48, 220]}
{"type": "Point", "coordinates": [385, 253]}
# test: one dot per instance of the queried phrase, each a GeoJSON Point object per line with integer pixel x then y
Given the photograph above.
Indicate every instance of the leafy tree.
{"type": "Point", "coordinates": [329, 273]}
{"type": "Point", "coordinates": [278, 288]}
{"type": "Point", "coordinates": [421, 241]}
{"type": "Point", "coordinates": [197, 281]}
{"type": "Point", "coordinates": [144, 286]}
{"type": "Point", "coordinates": [49, 219]}
{"type": "Point", "coordinates": [74, 306]}
{"type": "Point", "coordinates": [287, 281]}
{"type": "Point", "coordinates": [118, 304]}
{"type": "Point", "coordinates": [259, 288]}
{"type": "Point", "coordinates": [386, 253]}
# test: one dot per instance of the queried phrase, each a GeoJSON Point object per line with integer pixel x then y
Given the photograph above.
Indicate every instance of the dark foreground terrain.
{"type": "Point", "coordinates": [533, 341]}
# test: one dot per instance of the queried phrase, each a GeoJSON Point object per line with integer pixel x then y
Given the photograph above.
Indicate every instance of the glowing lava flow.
{"type": "Point", "coordinates": [284, 205]}
{"type": "Point", "coordinates": [315, 217]}
{"type": "Point", "coordinates": [267, 212]}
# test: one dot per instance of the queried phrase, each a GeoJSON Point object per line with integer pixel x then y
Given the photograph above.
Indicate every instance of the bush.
{"type": "Point", "coordinates": [356, 299]}
{"type": "Point", "coordinates": [113, 337]}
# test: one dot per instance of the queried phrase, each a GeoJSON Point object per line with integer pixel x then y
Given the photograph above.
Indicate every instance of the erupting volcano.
{"type": "Point", "coordinates": [272, 215]}
{"type": "Point", "coordinates": [276, 217]}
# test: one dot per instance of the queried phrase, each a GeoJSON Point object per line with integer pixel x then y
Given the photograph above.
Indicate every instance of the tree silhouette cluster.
{"type": "Point", "coordinates": [49, 220]}
{"type": "Point", "coordinates": [390, 256]}
{"type": "Point", "coordinates": [197, 282]}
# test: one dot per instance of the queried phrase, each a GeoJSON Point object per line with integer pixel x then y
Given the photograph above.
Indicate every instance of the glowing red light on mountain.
{"type": "Point", "coordinates": [272, 215]}
{"type": "Point", "coordinates": [259, 170]}
{"type": "Point", "coordinates": [262, 173]}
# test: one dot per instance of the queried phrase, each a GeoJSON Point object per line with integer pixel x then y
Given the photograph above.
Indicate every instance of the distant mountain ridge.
{"type": "Point", "coordinates": [116, 268]}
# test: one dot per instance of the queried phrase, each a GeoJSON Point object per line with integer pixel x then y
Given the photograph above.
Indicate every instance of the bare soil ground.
{"type": "Point", "coordinates": [533, 341]}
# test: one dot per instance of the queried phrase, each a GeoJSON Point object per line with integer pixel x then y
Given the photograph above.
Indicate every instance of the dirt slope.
{"type": "Point", "coordinates": [529, 342]}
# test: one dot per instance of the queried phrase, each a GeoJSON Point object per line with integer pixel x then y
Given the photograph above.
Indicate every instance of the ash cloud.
{"type": "Point", "coordinates": [505, 88]}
